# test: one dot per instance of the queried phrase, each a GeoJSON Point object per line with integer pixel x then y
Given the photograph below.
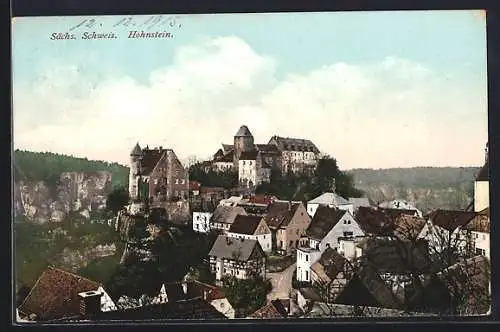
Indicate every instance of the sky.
{"type": "Point", "coordinates": [372, 89]}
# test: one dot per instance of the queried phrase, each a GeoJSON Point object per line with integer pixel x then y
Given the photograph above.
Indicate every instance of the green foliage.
{"type": "Point", "coordinates": [246, 296]}
{"type": "Point", "coordinates": [176, 251]}
{"type": "Point", "coordinates": [117, 199]}
{"type": "Point", "coordinates": [210, 178]}
{"type": "Point", "coordinates": [48, 166]}
{"type": "Point", "coordinates": [37, 246]}
{"type": "Point", "coordinates": [302, 187]}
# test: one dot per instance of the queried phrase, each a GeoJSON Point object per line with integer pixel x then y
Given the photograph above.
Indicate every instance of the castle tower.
{"type": "Point", "coordinates": [135, 160]}
{"type": "Point", "coordinates": [243, 142]}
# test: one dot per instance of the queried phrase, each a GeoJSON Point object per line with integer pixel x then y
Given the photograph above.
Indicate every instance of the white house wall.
{"type": "Point", "coordinates": [107, 303]}
{"type": "Point", "coordinates": [481, 195]}
{"type": "Point", "coordinates": [482, 241]}
{"type": "Point", "coordinates": [304, 261]}
{"type": "Point", "coordinates": [265, 240]}
{"type": "Point", "coordinates": [332, 238]}
{"type": "Point", "coordinates": [201, 222]}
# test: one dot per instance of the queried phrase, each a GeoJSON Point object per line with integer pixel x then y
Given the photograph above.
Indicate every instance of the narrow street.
{"type": "Point", "coordinates": [282, 283]}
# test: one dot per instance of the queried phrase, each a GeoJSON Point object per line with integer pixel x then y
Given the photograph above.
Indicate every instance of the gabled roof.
{"type": "Point", "coordinates": [226, 214]}
{"type": "Point", "coordinates": [243, 131]}
{"type": "Point", "coordinates": [280, 213]}
{"type": "Point", "coordinates": [294, 144]}
{"type": "Point", "coordinates": [272, 310]}
{"type": "Point", "coordinates": [136, 151]}
{"type": "Point", "coordinates": [231, 248]}
{"type": "Point", "coordinates": [408, 227]}
{"type": "Point", "coordinates": [451, 219]}
{"type": "Point", "coordinates": [323, 221]}
{"type": "Point", "coordinates": [329, 199]}
{"type": "Point", "coordinates": [55, 295]}
{"type": "Point", "coordinates": [219, 154]}
{"type": "Point", "coordinates": [329, 265]}
{"type": "Point", "coordinates": [483, 174]}
{"type": "Point", "coordinates": [249, 155]}
{"type": "Point", "coordinates": [150, 159]}
{"type": "Point", "coordinates": [244, 224]}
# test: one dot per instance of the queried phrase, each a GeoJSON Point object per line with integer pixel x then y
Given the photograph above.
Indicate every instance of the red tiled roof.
{"type": "Point", "coordinates": [149, 160]}
{"type": "Point", "coordinates": [55, 295]}
{"type": "Point", "coordinates": [279, 214]}
{"type": "Point", "coordinates": [273, 309]}
{"type": "Point", "coordinates": [245, 224]}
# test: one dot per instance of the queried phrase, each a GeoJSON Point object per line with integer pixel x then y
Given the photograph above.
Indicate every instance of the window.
{"type": "Point", "coordinates": [347, 234]}
{"type": "Point", "coordinates": [307, 275]}
{"type": "Point", "coordinates": [480, 252]}
{"type": "Point", "coordinates": [307, 258]}
{"type": "Point", "coordinates": [243, 163]}
{"type": "Point", "coordinates": [250, 163]}
{"type": "Point", "coordinates": [291, 244]}
{"type": "Point", "coordinates": [281, 244]}
{"type": "Point", "coordinates": [349, 222]}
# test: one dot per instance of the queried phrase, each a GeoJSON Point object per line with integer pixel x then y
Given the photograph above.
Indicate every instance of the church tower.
{"type": "Point", "coordinates": [243, 142]}
{"type": "Point", "coordinates": [135, 160]}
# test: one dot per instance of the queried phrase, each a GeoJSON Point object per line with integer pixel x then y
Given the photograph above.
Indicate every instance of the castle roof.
{"type": "Point", "coordinates": [136, 151]}
{"type": "Point", "coordinates": [243, 131]}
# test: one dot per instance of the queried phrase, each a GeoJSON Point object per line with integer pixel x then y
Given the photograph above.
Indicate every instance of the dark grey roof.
{"type": "Point", "coordinates": [249, 155]}
{"type": "Point", "coordinates": [243, 131]}
{"type": "Point", "coordinates": [226, 214]}
{"type": "Point", "coordinates": [136, 151]}
{"type": "Point", "coordinates": [323, 221]}
{"type": "Point", "coordinates": [293, 144]}
{"type": "Point", "coordinates": [245, 224]}
{"type": "Point", "coordinates": [231, 248]}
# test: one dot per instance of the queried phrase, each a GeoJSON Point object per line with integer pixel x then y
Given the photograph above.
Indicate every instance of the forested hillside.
{"type": "Point", "coordinates": [48, 166]}
{"type": "Point", "coordinates": [428, 187]}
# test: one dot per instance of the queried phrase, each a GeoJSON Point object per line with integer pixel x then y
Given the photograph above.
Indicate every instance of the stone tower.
{"type": "Point", "coordinates": [243, 142]}
{"type": "Point", "coordinates": [135, 160]}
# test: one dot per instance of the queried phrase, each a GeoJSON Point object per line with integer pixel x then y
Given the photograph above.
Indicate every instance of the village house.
{"type": "Point", "coordinates": [331, 200]}
{"type": "Point", "coordinates": [480, 228]}
{"type": "Point", "coordinates": [288, 222]}
{"type": "Point", "coordinates": [182, 291]}
{"type": "Point", "coordinates": [329, 274]}
{"type": "Point", "coordinates": [251, 227]}
{"type": "Point", "coordinates": [327, 226]}
{"type": "Point", "coordinates": [157, 174]}
{"type": "Point", "coordinates": [446, 229]}
{"type": "Point", "coordinates": [224, 216]}
{"type": "Point", "coordinates": [57, 294]}
{"type": "Point", "coordinates": [239, 258]}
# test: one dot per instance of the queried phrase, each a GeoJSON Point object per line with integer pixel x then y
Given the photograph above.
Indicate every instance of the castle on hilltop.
{"type": "Point", "coordinates": [156, 175]}
{"type": "Point", "coordinates": [254, 162]}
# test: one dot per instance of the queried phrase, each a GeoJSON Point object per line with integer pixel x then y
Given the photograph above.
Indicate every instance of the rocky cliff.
{"type": "Point", "coordinates": [74, 192]}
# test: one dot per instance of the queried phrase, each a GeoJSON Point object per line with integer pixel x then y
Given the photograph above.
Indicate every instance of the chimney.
{"type": "Point", "coordinates": [185, 288]}
{"type": "Point", "coordinates": [90, 303]}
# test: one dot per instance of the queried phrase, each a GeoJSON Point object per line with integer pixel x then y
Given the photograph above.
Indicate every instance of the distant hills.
{"type": "Point", "coordinates": [428, 187]}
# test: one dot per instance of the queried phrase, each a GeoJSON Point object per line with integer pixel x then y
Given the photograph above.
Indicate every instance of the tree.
{"type": "Point", "coordinates": [117, 199]}
{"type": "Point", "coordinates": [246, 295]}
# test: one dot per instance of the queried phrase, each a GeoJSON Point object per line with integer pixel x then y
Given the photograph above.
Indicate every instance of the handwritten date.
{"type": "Point", "coordinates": [131, 21]}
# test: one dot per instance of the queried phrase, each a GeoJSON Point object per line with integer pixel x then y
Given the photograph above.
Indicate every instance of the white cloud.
{"type": "Point", "coordinates": [391, 113]}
